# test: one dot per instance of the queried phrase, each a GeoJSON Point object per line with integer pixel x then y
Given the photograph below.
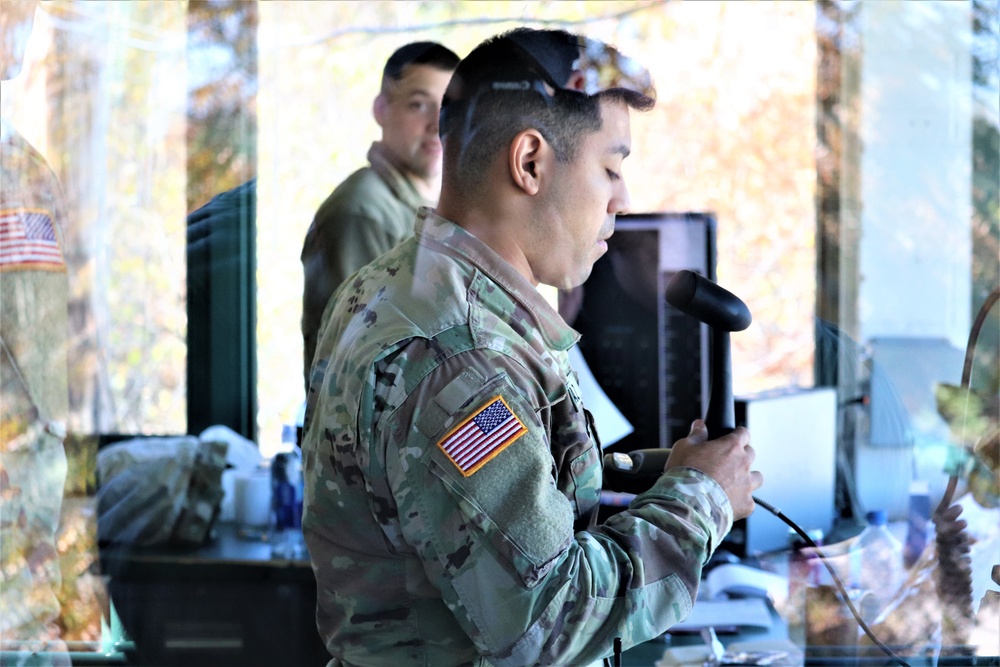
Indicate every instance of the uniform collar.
{"type": "Point", "coordinates": [401, 186]}
{"type": "Point", "coordinates": [442, 234]}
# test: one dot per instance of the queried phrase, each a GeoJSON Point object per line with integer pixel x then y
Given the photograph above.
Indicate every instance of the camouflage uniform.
{"type": "Point", "coordinates": [33, 393]}
{"type": "Point", "coordinates": [428, 551]}
{"type": "Point", "coordinates": [363, 217]}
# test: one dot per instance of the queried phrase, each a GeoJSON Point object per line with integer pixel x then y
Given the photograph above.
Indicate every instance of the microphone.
{"type": "Point", "coordinates": [705, 301]}
{"type": "Point", "coordinates": [722, 310]}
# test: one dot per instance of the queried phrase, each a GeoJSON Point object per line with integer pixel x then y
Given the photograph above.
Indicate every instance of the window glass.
{"type": "Point", "coordinates": [102, 98]}
{"type": "Point", "coordinates": [163, 161]}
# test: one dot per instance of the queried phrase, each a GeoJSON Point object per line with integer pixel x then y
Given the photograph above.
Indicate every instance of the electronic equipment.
{"type": "Point", "coordinates": [649, 358]}
{"type": "Point", "coordinates": [725, 312]}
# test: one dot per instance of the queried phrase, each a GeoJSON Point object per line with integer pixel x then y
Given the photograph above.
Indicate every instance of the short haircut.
{"type": "Point", "coordinates": [417, 53]}
{"type": "Point", "coordinates": [500, 89]}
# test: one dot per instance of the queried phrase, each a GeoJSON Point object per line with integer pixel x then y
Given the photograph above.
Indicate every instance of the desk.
{"type": "Point", "coordinates": [647, 654]}
{"type": "Point", "coordinates": [226, 603]}
{"type": "Point", "coordinates": [230, 603]}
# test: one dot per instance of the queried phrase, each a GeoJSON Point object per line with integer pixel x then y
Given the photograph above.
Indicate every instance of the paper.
{"type": "Point", "coordinates": [611, 423]}
{"type": "Point", "coordinates": [736, 613]}
{"type": "Point", "coordinates": [743, 580]}
{"type": "Point", "coordinates": [756, 652]}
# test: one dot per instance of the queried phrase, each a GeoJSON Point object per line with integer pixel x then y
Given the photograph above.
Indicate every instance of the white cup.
{"type": "Point", "coordinates": [252, 504]}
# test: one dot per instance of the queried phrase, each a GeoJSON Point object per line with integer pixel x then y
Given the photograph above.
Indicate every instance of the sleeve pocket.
{"type": "Point", "coordinates": [510, 497]}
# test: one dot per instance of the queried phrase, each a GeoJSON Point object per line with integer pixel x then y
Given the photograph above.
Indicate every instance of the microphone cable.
{"type": "Point", "coordinates": [840, 586]}
{"type": "Point", "coordinates": [647, 462]}
{"type": "Point", "coordinates": [724, 312]}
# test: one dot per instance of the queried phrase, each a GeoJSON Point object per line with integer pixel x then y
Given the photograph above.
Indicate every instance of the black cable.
{"type": "Point", "coordinates": [840, 586]}
{"type": "Point", "coordinates": [645, 462]}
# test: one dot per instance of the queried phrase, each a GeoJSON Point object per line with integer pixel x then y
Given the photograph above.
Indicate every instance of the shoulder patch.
{"type": "Point", "coordinates": [28, 241]}
{"type": "Point", "coordinates": [491, 429]}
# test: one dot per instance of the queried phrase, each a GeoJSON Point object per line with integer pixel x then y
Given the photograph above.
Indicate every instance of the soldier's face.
{"type": "Point", "coordinates": [408, 114]}
{"type": "Point", "coordinates": [586, 196]}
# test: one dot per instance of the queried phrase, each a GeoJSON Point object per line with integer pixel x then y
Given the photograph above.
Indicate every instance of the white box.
{"type": "Point", "coordinates": [794, 433]}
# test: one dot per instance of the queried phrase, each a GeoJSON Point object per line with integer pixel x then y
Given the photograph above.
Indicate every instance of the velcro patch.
{"type": "Point", "coordinates": [491, 429]}
{"type": "Point", "coordinates": [28, 241]}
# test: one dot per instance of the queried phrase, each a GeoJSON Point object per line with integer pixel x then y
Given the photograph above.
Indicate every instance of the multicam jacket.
{"type": "Point", "coordinates": [34, 394]}
{"type": "Point", "coordinates": [453, 477]}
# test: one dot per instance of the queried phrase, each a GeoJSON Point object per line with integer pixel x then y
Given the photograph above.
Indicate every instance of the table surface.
{"type": "Point", "coordinates": [224, 558]}
{"type": "Point", "coordinates": [227, 556]}
{"type": "Point", "coordinates": [225, 547]}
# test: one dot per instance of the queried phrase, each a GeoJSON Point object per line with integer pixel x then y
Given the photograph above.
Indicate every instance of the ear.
{"type": "Point", "coordinates": [577, 81]}
{"type": "Point", "coordinates": [380, 107]}
{"type": "Point", "coordinates": [528, 160]}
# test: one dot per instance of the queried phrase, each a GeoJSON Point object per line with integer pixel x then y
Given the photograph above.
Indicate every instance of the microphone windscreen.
{"type": "Point", "coordinates": [704, 300]}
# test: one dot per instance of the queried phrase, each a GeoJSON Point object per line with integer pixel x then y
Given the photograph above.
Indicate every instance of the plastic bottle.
{"type": "Point", "coordinates": [286, 492]}
{"type": "Point", "coordinates": [918, 527]}
{"type": "Point", "coordinates": [877, 566]}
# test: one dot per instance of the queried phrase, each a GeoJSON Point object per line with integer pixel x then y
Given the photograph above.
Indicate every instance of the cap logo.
{"type": "Point", "coordinates": [511, 85]}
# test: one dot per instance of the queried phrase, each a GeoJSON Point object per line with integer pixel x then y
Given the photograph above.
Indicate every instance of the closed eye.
{"type": "Point", "coordinates": [614, 176]}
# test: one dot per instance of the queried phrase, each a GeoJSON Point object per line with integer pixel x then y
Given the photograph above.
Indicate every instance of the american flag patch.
{"type": "Point", "coordinates": [28, 240]}
{"type": "Point", "coordinates": [482, 436]}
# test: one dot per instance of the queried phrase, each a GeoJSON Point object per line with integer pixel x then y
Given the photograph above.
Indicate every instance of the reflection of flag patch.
{"type": "Point", "coordinates": [28, 239]}
{"type": "Point", "coordinates": [482, 436]}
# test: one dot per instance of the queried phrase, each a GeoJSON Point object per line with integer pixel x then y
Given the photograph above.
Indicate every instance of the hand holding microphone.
{"type": "Point", "coordinates": [728, 457]}
{"type": "Point", "coordinates": [723, 311]}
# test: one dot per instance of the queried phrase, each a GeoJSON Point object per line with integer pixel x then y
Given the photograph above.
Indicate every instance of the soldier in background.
{"type": "Point", "coordinates": [373, 209]}
{"type": "Point", "coordinates": [33, 373]}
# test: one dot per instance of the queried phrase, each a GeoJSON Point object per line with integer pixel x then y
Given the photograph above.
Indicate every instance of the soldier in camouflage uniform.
{"type": "Point", "coordinates": [34, 393]}
{"type": "Point", "coordinates": [453, 474]}
{"type": "Point", "coordinates": [374, 208]}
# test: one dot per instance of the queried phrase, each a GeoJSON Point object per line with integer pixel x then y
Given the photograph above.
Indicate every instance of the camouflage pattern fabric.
{"type": "Point", "coordinates": [453, 478]}
{"type": "Point", "coordinates": [159, 490]}
{"type": "Point", "coordinates": [33, 393]}
{"type": "Point", "coordinates": [366, 215]}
